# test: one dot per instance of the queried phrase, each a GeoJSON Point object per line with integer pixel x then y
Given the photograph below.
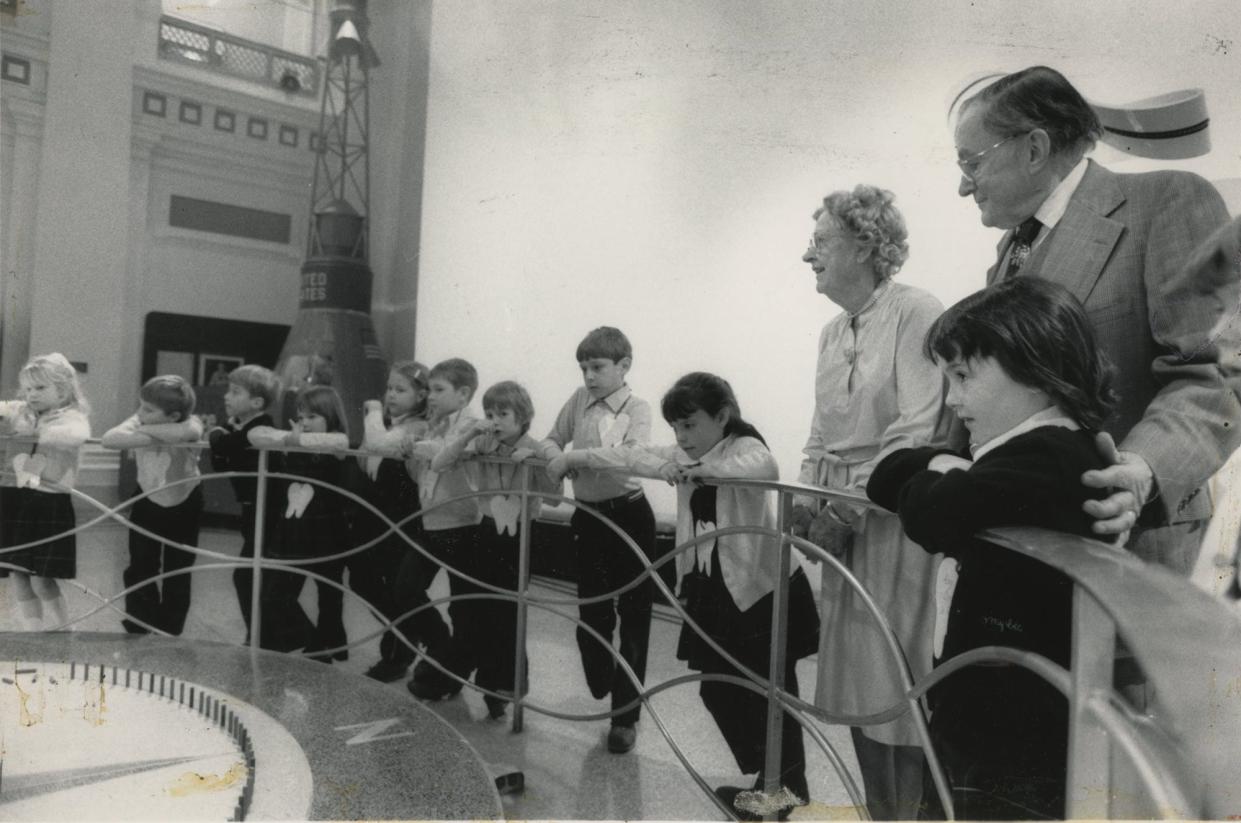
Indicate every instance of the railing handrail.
{"type": "Point", "coordinates": [787, 486]}
{"type": "Point", "coordinates": [1194, 745]}
{"type": "Point", "coordinates": [1184, 667]}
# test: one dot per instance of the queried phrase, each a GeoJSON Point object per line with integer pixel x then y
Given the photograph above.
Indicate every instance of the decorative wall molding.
{"type": "Point", "coordinates": [221, 159]}
{"type": "Point", "coordinates": [23, 117]}
{"type": "Point", "coordinates": [168, 78]}
{"type": "Point", "coordinates": [222, 121]}
{"type": "Point", "coordinates": [15, 69]}
{"type": "Point", "coordinates": [290, 254]}
{"type": "Point", "coordinates": [154, 104]}
{"type": "Point", "coordinates": [256, 127]}
{"type": "Point", "coordinates": [23, 66]}
{"type": "Point", "coordinates": [25, 43]}
{"type": "Point", "coordinates": [190, 112]}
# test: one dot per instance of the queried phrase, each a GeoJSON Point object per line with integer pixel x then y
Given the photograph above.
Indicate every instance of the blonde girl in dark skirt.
{"type": "Point", "coordinates": [35, 502]}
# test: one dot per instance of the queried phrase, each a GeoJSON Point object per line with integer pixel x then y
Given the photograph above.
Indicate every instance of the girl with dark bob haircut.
{"type": "Point", "coordinates": [1040, 335]}
{"type": "Point", "coordinates": [727, 582]}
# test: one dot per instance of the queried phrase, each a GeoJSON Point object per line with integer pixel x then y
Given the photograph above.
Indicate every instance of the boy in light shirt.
{"type": "Point", "coordinates": [171, 510]}
{"type": "Point", "coordinates": [451, 530]}
{"type": "Point", "coordinates": [604, 421]}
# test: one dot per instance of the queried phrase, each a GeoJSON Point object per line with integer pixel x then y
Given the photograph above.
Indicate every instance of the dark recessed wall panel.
{"type": "Point", "coordinates": [224, 218]}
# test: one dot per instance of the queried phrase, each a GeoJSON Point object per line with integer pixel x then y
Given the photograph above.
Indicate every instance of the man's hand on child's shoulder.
{"type": "Point", "coordinates": [1131, 484]}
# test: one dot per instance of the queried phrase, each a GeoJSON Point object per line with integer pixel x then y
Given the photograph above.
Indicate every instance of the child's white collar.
{"type": "Point", "coordinates": [714, 453]}
{"type": "Point", "coordinates": [1050, 416]}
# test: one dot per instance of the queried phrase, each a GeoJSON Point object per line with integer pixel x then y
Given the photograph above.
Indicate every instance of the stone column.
{"type": "Point", "coordinates": [26, 121]}
{"type": "Point", "coordinates": [82, 214]}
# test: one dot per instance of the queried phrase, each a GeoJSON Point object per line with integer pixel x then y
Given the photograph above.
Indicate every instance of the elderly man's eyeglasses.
{"type": "Point", "coordinates": [969, 165]}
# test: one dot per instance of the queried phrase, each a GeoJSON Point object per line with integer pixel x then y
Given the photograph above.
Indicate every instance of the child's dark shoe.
{"type": "Point", "coordinates": [432, 690]}
{"type": "Point", "coordinates": [621, 739]}
{"type": "Point", "coordinates": [387, 671]}
{"type": "Point", "coordinates": [495, 707]}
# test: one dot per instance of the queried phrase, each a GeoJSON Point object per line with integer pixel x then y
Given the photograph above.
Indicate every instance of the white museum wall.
{"type": "Point", "coordinates": [654, 166]}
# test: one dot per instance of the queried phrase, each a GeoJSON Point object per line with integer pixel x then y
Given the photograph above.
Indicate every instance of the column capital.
{"type": "Point", "coordinates": [143, 140]}
{"type": "Point", "coordinates": [23, 117]}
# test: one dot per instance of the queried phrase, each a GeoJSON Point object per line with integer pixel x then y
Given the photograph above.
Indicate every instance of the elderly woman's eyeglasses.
{"type": "Point", "coordinates": [969, 165]}
{"type": "Point", "coordinates": [821, 243]}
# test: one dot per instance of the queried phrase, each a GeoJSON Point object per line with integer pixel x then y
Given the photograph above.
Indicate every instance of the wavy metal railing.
{"type": "Point", "coordinates": [1181, 763]}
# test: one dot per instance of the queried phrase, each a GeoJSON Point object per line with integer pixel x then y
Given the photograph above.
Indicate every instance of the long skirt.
{"type": "Point", "coordinates": [857, 673]}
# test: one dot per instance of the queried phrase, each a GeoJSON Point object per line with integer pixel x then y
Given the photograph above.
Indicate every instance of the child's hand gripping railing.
{"type": "Point", "coordinates": [1184, 763]}
{"type": "Point", "coordinates": [10, 474]}
{"type": "Point", "coordinates": [772, 687]}
{"type": "Point", "coordinates": [778, 699]}
{"type": "Point", "coordinates": [227, 561]}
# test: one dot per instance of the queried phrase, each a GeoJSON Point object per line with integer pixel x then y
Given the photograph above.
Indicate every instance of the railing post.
{"type": "Point", "coordinates": [523, 574]}
{"type": "Point", "coordinates": [256, 562]}
{"type": "Point", "coordinates": [779, 649]}
{"type": "Point", "coordinates": [1089, 779]}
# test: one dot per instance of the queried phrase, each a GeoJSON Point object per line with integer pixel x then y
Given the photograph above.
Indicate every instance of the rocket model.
{"type": "Point", "coordinates": [332, 341]}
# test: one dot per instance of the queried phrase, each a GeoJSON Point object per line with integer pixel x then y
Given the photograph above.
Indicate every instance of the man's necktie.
{"type": "Point", "coordinates": [1023, 238]}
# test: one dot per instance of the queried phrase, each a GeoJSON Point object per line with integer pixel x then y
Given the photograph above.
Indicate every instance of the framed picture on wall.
{"type": "Point", "coordinates": [213, 369]}
{"type": "Point", "coordinates": [180, 363]}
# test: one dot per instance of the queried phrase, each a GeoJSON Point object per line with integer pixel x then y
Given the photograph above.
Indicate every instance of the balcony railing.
{"type": "Point", "coordinates": [215, 51]}
{"type": "Point", "coordinates": [1177, 762]}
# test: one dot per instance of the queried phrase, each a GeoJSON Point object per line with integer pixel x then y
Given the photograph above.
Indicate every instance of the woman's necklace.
{"type": "Point", "coordinates": [870, 301]}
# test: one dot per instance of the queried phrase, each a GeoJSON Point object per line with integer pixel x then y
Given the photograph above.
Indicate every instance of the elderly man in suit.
{"type": "Point", "coordinates": [1122, 243]}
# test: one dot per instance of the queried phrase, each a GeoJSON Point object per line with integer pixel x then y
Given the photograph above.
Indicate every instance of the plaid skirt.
{"type": "Point", "coordinates": [30, 515]}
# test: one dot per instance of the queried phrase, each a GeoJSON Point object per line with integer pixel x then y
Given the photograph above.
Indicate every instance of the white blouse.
{"type": "Point", "coordinates": [875, 391]}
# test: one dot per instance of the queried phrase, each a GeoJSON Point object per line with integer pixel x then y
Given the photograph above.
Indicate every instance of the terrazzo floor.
{"type": "Point", "coordinates": [568, 772]}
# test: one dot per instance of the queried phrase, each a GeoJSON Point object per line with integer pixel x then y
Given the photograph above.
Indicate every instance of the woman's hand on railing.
{"type": "Point", "coordinates": [521, 455]}
{"type": "Point", "coordinates": [831, 532]}
{"type": "Point", "coordinates": [799, 522]}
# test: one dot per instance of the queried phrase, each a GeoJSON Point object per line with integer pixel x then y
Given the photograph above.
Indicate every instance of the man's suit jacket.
{"type": "Point", "coordinates": [1170, 326]}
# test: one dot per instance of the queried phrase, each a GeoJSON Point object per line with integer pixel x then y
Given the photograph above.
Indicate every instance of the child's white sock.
{"type": "Point", "coordinates": [60, 611]}
{"type": "Point", "coordinates": [30, 611]}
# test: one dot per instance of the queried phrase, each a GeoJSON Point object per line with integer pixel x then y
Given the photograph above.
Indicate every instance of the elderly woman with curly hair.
{"type": "Point", "coordinates": [875, 392]}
